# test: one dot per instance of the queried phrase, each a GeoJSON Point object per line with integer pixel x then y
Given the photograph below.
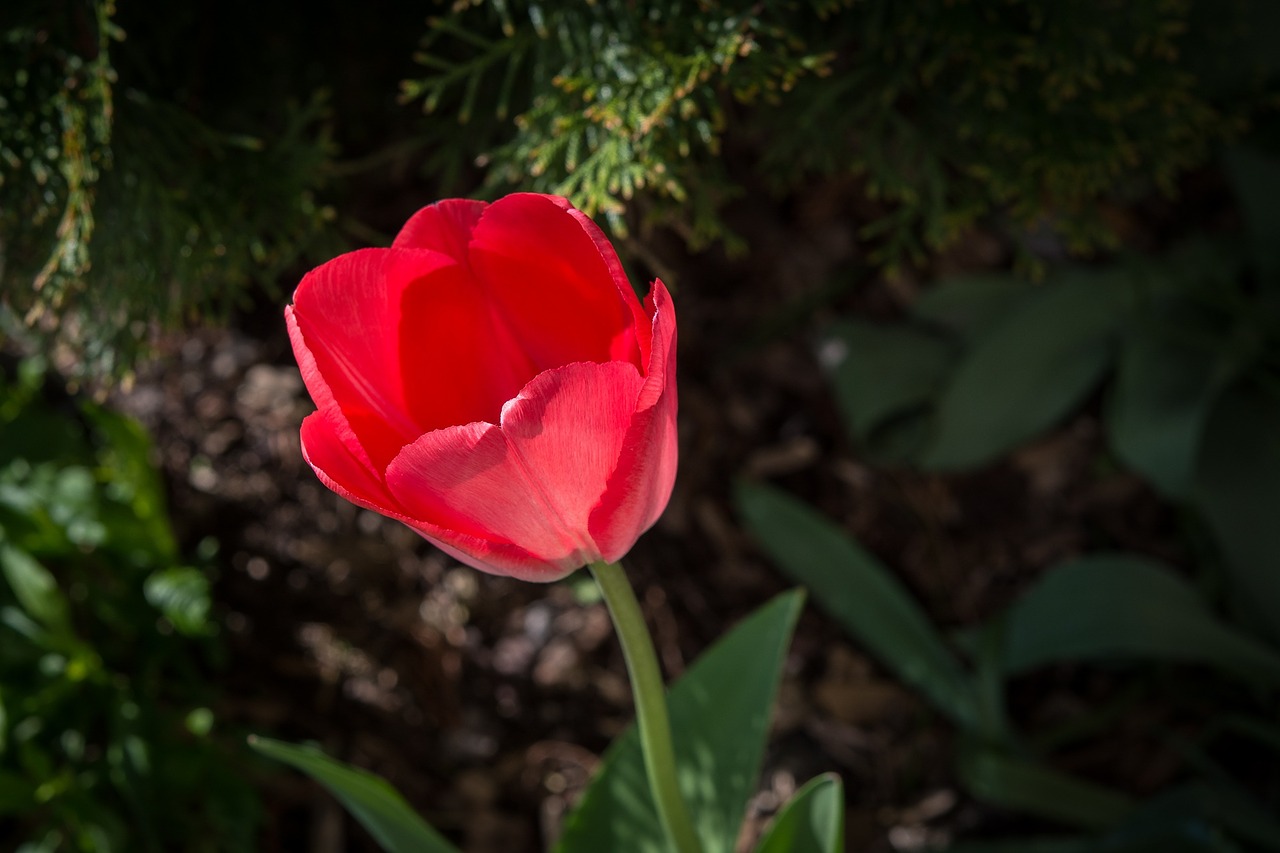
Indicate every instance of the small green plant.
{"type": "Point", "coordinates": [1190, 344]}
{"type": "Point", "coordinates": [1113, 610]}
{"type": "Point", "coordinates": [106, 732]}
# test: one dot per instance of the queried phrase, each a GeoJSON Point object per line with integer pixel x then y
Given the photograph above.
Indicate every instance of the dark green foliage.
{"type": "Point", "coordinates": [105, 645]}
{"type": "Point", "coordinates": [1185, 348]}
{"type": "Point", "coordinates": [55, 135]}
{"type": "Point", "coordinates": [951, 111]}
{"type": "Point", "coordinates": [121, 210]}
{"type": "Point", "coordinates": [1106, 610]}
{"type": "Point", "coordinates": [1188, 343]}
{"type": "Point", "coordinates": [607, 100]}
{"type": "Point", "coordinates": [168, 194]}
{"type": "Point", "coordinates": [954, 111]}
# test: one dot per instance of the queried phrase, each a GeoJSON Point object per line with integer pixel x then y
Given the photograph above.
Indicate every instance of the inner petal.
{"type": "Point", "coordinates": [551, 285]}
{"type": "Point", "coordinates": [458, 360]}
{"type": "Point", "coordinates": [445, 227]}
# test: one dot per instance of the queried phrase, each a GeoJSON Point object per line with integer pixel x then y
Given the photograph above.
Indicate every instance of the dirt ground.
{"type": "Point", "coordinates": [488, 701]}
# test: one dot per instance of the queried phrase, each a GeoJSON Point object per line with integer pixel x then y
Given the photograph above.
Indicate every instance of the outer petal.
{"type": "Point", "coordinates": [338, 461]}
{"type": "Point", "coordinates": [640, 486]}
{"type": "Point", "coordinates": [331, 458]}
{"type": "Point", "coordinates": [547, 275]}
{"type": "Point", "coordinates": [533, 481]}
{"type": "Point", "coordinates": [345, 326]}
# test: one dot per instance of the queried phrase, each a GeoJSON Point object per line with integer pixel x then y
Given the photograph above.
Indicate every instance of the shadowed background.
{"type": "Point", "coordinates": [979, 332]}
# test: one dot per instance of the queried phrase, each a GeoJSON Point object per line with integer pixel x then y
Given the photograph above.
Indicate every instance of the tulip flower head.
{"type": "Point", "coordinates": [492, 381]}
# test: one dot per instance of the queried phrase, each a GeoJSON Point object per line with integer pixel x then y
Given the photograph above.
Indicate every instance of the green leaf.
{"type": "Point", "coordinates": [811, 822]}
{"type": "Point", "coordinates": [1229, 805]}
{"type": "Point", "coordinates": [1111, 606]}
{"type": "Point", "coordinates": [181, 593]}
{"type": "Point", "coordinates": [35, 588]}
{"type": "Point", "coordinates": [126, 456]}
{"type": "Point", "coordinates": [1237, 486]}
{"type": "Point", "coordinates": [17, 793]}
{"type": "Point", "coordinates": [1255, 177]}
{"type": "Point", "coordinates": [1029, 370]}
{"type": "Point", "coordinates": [1024, 786]}
{"type": "Point", "coordinates": [880, 372]}
{"type": "Point", "coordinates": [373, 802]}
{"type": "Point", "coordinates": [39, 432]}
{"type": "Point", "coordinates": [1194, 818]}
{"type": "Point", "coordinates": [862, 595]}
{"type": "Point", "coordinates": [971, 305]}
{"type": "Point", "coordinates": [720, 711]}
{"type": "Point", "coordinates": [1170, 372]}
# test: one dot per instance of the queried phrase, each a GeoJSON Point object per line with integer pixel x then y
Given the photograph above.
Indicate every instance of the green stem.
{"type": "Point", "coordinates": [651, 704]}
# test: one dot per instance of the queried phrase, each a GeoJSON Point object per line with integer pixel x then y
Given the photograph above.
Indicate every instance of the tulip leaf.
{"type": "Point", "coordinates": [1170, 373]}
{"type": "Point", "coordinates": [1025, 786]}
{"type": "Point", "coordinates": [881, 371]}
{"type": "Point", "coordinates": [1237, 486]}
{"type": "Point", "coordinates": [862, 595]}
{"type": "Point", "coordinates": [1255, 177]}
{"type": "Point", "coordinates": [369, 798]}
{"type": "Point", "coordinates": [720, 711]}
{"type": "Point", "coordinates": [811, 822]}
{"type": "Point", "coordinates": [1111, 606]}
{"type": "Point", "coordinates": [1028, 370]}
{"type": "Point", "coordinates": [1192, 818]}
{"type": "Point", "coordinates": [969, 305]}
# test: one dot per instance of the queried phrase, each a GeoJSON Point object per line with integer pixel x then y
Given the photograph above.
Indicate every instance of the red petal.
{"type": "Point", "coordinates": [445, 226]}
{"type": "Point", "coordinates": [342, 472]}
{"type": "Point", "coordinates": [329, 447]}
{"type": "Point", "coordinates": [639, 321]}
{"type": "Point", "coordinates": [459, 361]}
{"type": "Point", "coordinates": [640, 486]}
{"type": "Point", "coordinates": [344, 325]}
{"type": "Point", "coordinates": [496, 558]}
{"type": "Point", "coordinates": [532, 482]}
{"type": "Point", "coordinates": [555, 282]}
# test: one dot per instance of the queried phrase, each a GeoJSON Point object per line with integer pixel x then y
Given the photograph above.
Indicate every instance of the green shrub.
{"type": "Point", "coordinates": [122, 210]}
{"type": "Point", "coordinates": [951, 110]}
{"type": "Point", "coordinates": [105, 646]}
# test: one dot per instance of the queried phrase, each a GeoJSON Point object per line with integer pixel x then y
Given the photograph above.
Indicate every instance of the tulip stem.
{"type": "Point", "coordinates": [651, 704]}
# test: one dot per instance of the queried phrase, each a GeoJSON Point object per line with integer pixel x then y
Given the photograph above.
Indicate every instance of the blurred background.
{"type": "Point", "coordinates": [980, 340]}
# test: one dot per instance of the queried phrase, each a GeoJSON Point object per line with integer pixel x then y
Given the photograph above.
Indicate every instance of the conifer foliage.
{"type": "Point", "coordinates": [950, 111]}
{"type": "Point", "coordinates": [122, 209]}
{"type": "Point", "coordinates": [143, 183]}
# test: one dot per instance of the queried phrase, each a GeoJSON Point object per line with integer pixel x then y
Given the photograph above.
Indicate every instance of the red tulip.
{"type": "Point", "coordinates": [492, 381]}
